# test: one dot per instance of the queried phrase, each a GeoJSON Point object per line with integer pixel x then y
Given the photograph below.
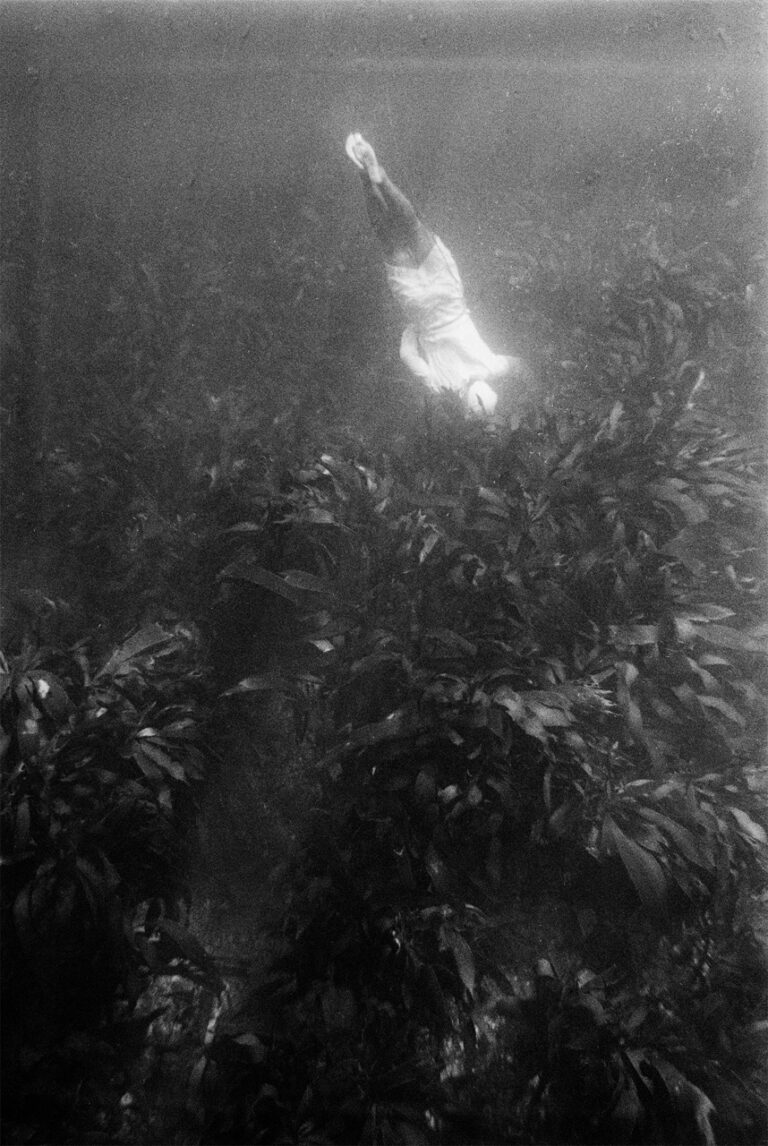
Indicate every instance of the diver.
{"type": "Point", "coordinates": [441, 344]}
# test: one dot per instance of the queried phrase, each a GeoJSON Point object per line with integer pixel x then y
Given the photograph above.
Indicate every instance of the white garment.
{"type": "Point", "coordinates": [441, 343]}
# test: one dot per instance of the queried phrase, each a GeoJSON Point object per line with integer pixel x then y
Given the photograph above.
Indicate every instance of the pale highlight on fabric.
{"type": "Point", "coordinates": [432, 298]}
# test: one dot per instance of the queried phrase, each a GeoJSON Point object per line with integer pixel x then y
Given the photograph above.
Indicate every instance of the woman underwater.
{"type": "Point", "coordinates": [440, 344]}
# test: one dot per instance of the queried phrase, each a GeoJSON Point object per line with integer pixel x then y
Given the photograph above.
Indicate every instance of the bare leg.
{"type": "Point", "coordinates": [405, 239]}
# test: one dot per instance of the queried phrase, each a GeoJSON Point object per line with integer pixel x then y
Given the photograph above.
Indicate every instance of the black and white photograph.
{"type": "Point", "coordinates": [384, 572]}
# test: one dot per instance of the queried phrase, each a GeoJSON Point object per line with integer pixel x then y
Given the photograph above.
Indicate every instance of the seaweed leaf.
{"type": "Point", "coordinates": [462, 954]}
{"type": "Point", "coordinates": [150, 637]}
{"type": "Point", "coordinates": [748, 826]}
{"type": "Point", "coordinates": [643, 869]}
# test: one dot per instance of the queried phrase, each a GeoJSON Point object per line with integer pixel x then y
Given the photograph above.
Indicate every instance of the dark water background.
{"type": "Point", "coordinates": [186, 160]}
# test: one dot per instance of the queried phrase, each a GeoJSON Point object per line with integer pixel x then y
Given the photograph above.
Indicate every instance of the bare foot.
{"type": "Point", "coordinates": [351, 148]}
{"type": "Point", "coordinates": [482, 398]}
{"type": "Point", "coordinates": [363, 156]}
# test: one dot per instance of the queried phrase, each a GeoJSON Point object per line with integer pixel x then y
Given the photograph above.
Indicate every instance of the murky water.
{"type": "Point", "coordinates": [133, 126]}
{"type": "Point", "coordinates": [180, 224]}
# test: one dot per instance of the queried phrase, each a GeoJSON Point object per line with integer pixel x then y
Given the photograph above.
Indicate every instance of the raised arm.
{"type": "Point", "coordinates": [405, 239]}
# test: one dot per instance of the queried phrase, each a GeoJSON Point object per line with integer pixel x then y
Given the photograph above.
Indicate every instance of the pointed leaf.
{"type": "Point", "coordinates": [267, 682]}
{"type": "Point", "coordinates": [429, 544]}
{"type": "Point", "coordinates": [313, 515]}
{"type": "Point", "coordinates": [748, 826]}
{"type": "Point", "coordinates": [707, 613]}
{"type": "Point", "coordinates": [451, 641]}
{"type": "Point", "coordinates": [244, 570]}
{"type": "Point", "coordinates": [399, 724]}
{"type": "Point", "coordinates": [646, 873]}
{"type": "Point", "coordinates": [148, 638]}
{"type": "Point", "coordinates": [245, 527]}
{"type": "Point", "coordinates": [710, 682]}
{"type": "Point", "coordinates": [491, 496]}
{"type": "Point", "coordinates": [147, 765]}
{"type": "Point", "coordinates": [723, 636]}
{"type": "Point", "coordinates": [462, 954]}
{"type": "Point", "coordinates": [723, 706]}
{"type": "Point", "coordinates": [688, 549]}
{"type": "Point", "coordinates": [437, 871]}
{"type": "Point", "coordinates": [550, 716]}
{"type": "Point", "coordinates": [163, 760]}
{"type": "Point", "coordinates": [299, 579]}
{"type": "Point", "coordinates": [693, 511]}
{"type": "Point", "coordinates": [682, 837]}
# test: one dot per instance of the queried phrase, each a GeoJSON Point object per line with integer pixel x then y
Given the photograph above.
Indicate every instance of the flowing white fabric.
{"type": "Point", "coordinates": [441, 343]}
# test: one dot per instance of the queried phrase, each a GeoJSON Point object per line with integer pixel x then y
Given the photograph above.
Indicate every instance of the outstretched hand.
{"type": "Point", "coordinates": [363, 156]}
